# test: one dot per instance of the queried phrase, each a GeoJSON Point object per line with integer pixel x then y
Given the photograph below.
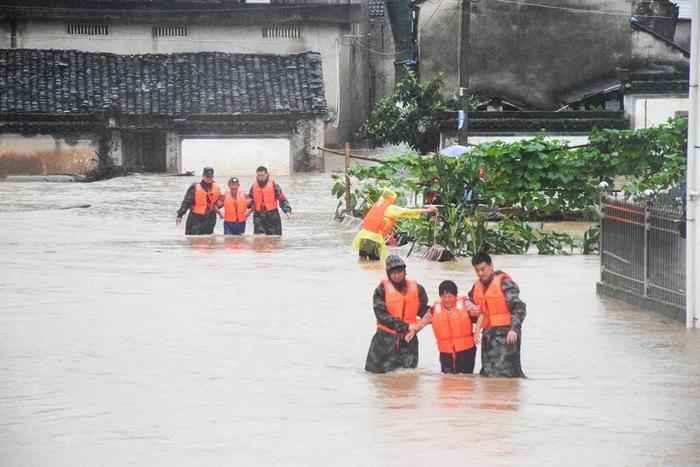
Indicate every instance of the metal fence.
{"type": "Point", "coordinates": [642, 249]}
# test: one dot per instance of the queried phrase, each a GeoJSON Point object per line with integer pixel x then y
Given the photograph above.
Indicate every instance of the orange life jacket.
{"type": "Point", "coordinates": [493, 302]}
{"type": "Point", "coordinates": [402, 306]}
{"type": "Point", "coordinates": [452, 329]}
{"type": "Point", "coordinates": [205, 201]}
{"type": "Point", "coordinates": [375, 221]}
{"type": "Point", "coordinates": [235, 208]}
{"type": "Point", "coordinates": [264, 198]}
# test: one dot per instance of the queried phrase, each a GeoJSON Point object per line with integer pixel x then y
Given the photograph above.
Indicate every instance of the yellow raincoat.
{"type": "Point", "coordinates": [392, 212]}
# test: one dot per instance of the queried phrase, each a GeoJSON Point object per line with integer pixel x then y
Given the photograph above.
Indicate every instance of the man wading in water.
{"type": "Point", "coordinates": [397, 302]}
{"type": "Point", "coordinates": [266, 196]}
{"type": "Point", "coordinates": [202, 200]}
{"type": "Point", "coordinates": [499, 299]}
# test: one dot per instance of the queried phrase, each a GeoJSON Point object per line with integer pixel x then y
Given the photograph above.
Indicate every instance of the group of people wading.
{"type": "Point", "coordinates": [491, 314]}
{"type": "Point", "coordinates": [205, 199]}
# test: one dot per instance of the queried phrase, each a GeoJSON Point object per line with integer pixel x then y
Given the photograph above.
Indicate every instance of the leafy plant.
{"type": "Point", "coordinates": [409, 115]}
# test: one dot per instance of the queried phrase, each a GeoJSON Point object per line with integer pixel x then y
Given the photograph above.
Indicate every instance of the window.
{"type": "Point", "coordinates": [169, 31]}
{"type": "Point", "coordinates": [285, 32]}
{"type": "Point", "coordinates": [88, 29]}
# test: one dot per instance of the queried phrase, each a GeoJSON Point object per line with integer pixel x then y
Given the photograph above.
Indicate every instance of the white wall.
{"type": "Point", "coordinates": [236, 157]}
{"type": "Point", "coordinates": [653, 111]}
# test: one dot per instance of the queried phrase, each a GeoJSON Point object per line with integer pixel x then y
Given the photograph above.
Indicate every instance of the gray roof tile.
{"type": "Point", "coordinates": [70, 81]}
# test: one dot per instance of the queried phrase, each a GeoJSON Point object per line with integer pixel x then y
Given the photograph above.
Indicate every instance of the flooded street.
{"type": "Point", "coordinates": [125, 343]}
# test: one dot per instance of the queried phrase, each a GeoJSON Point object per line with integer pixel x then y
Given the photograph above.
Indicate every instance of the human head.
{"type": "Point", "coordinates": [389, 195]}
{"type": "Point", "coordinates": [261, 173]}
{"type": "Point", "coordinates": [208, 173]}
{"type": "Point", "coordinates": [395, 269]}
{"type": "Point", "coordinates": [483, 266]}
{"type": "Point", "coordinates": [233, 183]}
{"type": "Point", "coordinates": [448, 293]}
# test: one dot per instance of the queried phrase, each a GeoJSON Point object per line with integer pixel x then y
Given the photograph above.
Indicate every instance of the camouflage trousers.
{"type": "Point", "coordinates": [388, 352]}
{"type": "Point", "coordinates": [498, 358]}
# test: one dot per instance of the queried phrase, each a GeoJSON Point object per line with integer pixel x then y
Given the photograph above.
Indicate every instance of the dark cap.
{"type": "Point", "coordinates": [394, 262]}
{"type": "Point", "coordinates": [233, 180]}
{"type": "Point", "coordinates": [208, 172]}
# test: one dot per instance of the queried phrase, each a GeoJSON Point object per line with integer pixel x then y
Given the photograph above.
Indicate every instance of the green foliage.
{"type": "Point", "coordinates": [655, 156]}
{"type": "Point", "coordinates": [535, 178]}
{"type": "Point", "coordinates": [591, 240]}
{"type": "Point", "coordinates": [409, 115]}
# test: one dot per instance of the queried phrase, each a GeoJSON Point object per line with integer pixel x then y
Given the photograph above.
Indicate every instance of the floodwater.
{"type": "Point", "coordinates": [125, 343]}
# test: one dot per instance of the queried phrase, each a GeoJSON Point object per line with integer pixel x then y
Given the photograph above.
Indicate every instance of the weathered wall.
{"type": "Point", "coordinates": [682, 36]}
{"type": "Point", "coordinates": [438, 42]}
{"type": "Point", "coordinates": [524, 53]}
{"type": "Point", "coordinates": [44, 154]}
{"type": "Point", "coordinates": [304, 145]}
{"type": "Point", "coordinates": [647, 51]}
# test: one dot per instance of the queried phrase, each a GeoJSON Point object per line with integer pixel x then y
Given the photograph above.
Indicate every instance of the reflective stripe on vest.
{"type": "Point", "coordinates": [205, 201]}
{"type": "Point", "coordinates": [493, 302]}
{"type": "Point", "coordinates": [452, 329]}
{"type": "Point", "coordinates": [235, 208]}
{"type": "Point", "coordinates": [375, 221]}
{"type": "Point", "coordinates": [402, 306]}
{"type": "Point", "coordinates": [264, 198]}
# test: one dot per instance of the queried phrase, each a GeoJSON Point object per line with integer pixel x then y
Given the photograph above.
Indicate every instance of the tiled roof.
{"type": "Point", "coordinates": [69, 81]}
{"type": "Point", "coordinates": [376, 8]}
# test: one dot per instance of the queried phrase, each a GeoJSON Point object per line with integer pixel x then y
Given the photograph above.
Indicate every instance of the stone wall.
{"type": "Point", "coordinates": [305, 141]}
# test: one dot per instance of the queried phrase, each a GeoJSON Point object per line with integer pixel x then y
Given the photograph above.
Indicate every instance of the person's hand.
{"type": "Point", "coordinates": [477, 338]}
{"type": "Point", "coordinates": [221, 216]}
{"type": "Point", "coordinates": [475, 312]}
{"type": "Point", "coordinates": [178, 220]}
{"type": "Point", "coordinates": [288, 214]}
{"type": "Point", "coordinates": [512, 337]}
{"type": "Point", "coordinates": [248, 212]}
{"type": "Point", "coordinates": [432, 209]}
{"type": "Point", "coordinates": [410, 335]}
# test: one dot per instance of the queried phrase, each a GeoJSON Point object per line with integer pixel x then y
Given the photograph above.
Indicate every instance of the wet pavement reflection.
{"type": "Point", "coordinates": [123, 342]}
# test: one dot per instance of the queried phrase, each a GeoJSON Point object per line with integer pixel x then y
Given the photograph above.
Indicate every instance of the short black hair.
{"type": "Point", "coordinates": [481, 257]}
{"type": "Point", "coordinates": [447, 286]}
{"type": "Point", "coordinates": [262, 168]}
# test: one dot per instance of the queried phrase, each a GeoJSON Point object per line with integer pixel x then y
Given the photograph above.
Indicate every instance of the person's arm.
{"type": "Point", "coordinates": [187, 202]}
{"type": "Point", "coordinates": [515, 305]}
{"type": "Point", "coordinates": [383, 315]}
{"type": "Point", "coordinates": [250, 198]}
{"type": "Point", "coordinates": [397, 212]}
{"type": "Point", "coordinates": [479, 327]}
{"type": "Point", "coordinates": [284, 204]}
{"type": "Point", "coordinates": [423, 310]}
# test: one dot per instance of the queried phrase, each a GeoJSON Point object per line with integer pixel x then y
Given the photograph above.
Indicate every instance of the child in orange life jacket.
{"type": "Point", "coordinates": [452, 318]}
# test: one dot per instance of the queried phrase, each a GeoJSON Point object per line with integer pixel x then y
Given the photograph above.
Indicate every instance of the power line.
{"type": "Point", "coordinates": [579, 10]}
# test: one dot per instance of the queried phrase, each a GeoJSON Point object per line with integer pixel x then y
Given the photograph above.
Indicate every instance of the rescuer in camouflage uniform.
{"type": "Point", "coordinates": [500, 345]}
{"type": "Point", "coordinates": [389, 351]}
{"type": "Point", "coordinates": [201, 224]}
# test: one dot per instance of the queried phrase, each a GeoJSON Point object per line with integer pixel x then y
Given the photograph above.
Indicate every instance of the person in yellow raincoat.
{"type": "Point", "coordinates": [378, 222]}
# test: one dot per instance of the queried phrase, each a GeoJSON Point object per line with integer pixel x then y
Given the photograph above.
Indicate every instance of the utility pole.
{"type": "Point", "coordinates": [463, 68]}
{"type": "Point", "coordinates": [692, 258]}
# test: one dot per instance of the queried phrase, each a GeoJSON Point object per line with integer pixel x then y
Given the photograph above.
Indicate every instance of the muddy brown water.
{"type": "Point", "coordinates": [125, 343]}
